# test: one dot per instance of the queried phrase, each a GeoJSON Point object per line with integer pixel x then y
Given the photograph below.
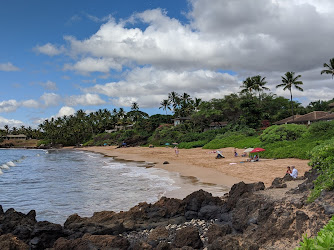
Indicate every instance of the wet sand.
{"type": "Point", "coordinates": [201, 163]}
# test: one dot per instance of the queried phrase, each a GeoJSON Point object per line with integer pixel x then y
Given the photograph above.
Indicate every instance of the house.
{"type": "Point", "coordinates": [329, 117]}
{"type": "Point", "coordinates": [307, 118]}
{"type": "Point", "coordinates": [331, 105]}
{"type": "Point", "coordinates": [310, 117]}
{"type": "Point", "coordinates": [118, 128]}
{"type": "Point", "coordinates": [286, 120]}
{"type": "Point", "coordinates": [217, 125]}
{"type": "Point", "coordinates": [180, 120]}
{"type": "Point", "coordinates": [15, 137]}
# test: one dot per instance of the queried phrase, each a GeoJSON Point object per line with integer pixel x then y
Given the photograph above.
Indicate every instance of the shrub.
{"type": "Point", "coordinates": [233, 139]}
{"type": "Point", "coordinates": [287, 132]}
{"type": "Point", "coordinates": [322, 129]}
{"type": "Point", "coordinates": [322, 159]}
{"type": "Point", "coordinates": [324, 239]}
{"type": "Point", "coordinates": [194, 144]}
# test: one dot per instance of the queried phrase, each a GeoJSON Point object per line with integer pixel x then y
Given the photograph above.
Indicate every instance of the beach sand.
{"type": "Point", "coordinates": [201, 163]}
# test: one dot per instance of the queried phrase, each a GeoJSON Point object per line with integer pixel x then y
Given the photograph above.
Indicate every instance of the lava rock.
{"type": "Point", "coordinates": [11, 242]}
{"type": "Point", "coordinates": [187, 236]}
{"type": "Point", "coordinates": [215, 231]}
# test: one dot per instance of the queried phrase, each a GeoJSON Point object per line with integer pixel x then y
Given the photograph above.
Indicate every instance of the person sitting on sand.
{"type": "Point", "coordinates": [219, 155]}
{"type": "Point", "coordinates": [288, 170]}
{"type": "Point", "coordinates": [255, 158]}
{"type": "Point", "coordinates": [294, 173]}
{"type": "Point", "coordinates": [244, 154]}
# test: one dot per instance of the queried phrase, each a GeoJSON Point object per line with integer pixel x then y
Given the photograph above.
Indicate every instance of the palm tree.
{"type": "Point", "coordinates": [7, 129]}
{"type": "Point", "coordinates": [165, 104]}
{"type": "Point", "coordinates": [248, 85]}
{"type": "Point", "coordinates": [288, 81]}
{"type": "Point", "coordinates": [330, 67]}
{"type": "Point", "coordinates": [197, 102]}
{"type": "Point", "coordinates": [134, 106]}
{"type": "Point", "coordinates": [258, 84]}
{"type": "Point", "coordinates": [174, 99]}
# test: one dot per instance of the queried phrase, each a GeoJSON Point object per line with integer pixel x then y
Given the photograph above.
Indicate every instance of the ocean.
{"type": "Point", "coordinates": [58, 183]}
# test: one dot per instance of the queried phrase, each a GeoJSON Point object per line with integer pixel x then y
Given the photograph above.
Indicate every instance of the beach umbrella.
{"type": "Point", "coordinates": [248, 150]}
{"type": "Point", "coordinates": [255, 150]}
{"type": "Point", "coordinates": [167, 144]}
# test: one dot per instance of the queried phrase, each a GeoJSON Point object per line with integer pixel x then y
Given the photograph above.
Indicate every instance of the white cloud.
{"type": "Point", "coordinates": [89, 65]}
{"type": "Point", "coordinates": [148, 86]}
{"type": "Point", "coordinates": [162, 54]}
{"type": "Point", "coordinates": [9, 122]}
{"type": "Point", "coordinates": [50, 99]}
{"type": "Point", "coordinates": [85, 100]}
{"type": "Point", "coordinates": [9, 106]}
{"type": "Point", "coordinates": [65, 111]}
{"type": "Point", "coordinates": [49, 49]}
{"type": "Point", "coordinates": [30, 104]}
{"type": "Point", "coordinates": [8, 67]}
{"type": "Point", "coordinates": [49, 85]}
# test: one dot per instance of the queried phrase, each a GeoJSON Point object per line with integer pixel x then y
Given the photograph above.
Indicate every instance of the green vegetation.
{"type": "Point", "coordinates": [233, 139]}
{"type": "Point", "coordinates": [286, 132]}
{"type": "Point", "coordinates": [322, 158]}
{"type": "Point", "coordinates": [323, 241]}
{"type": "Point", "coordinates": [288, 81]}
{"type": "Point", "coordinates": [193, 144]}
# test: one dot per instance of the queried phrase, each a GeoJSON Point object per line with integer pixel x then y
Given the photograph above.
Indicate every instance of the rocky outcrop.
{"type": "Point", "coordinates": [11, 242]}
{"type": "Point", "coordinates": [243, 219]}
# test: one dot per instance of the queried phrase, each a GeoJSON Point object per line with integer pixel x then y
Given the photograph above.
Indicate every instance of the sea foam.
{"type": "Point", "coordinates": [11, 164]}
{"type": "Point", "coordinates": [4, 166]}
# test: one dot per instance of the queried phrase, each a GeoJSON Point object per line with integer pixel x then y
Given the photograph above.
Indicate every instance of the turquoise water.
{"type": "Point", "coordinates": [58, 183]}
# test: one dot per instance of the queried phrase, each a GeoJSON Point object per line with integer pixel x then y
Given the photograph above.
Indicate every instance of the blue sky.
{"type": "Point", "coordinates": [60, 56]}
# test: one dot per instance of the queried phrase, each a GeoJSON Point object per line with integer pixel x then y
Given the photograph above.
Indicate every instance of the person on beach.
{"type": "Point", "coordinates": [219, 155]}
{"type": "Point", "coordinates": [235, 152]}
{"type": "Point", "coordinates": [294, 173]}
{"type": "Point", "coordinates": [288, 170]}
{"type": "Point", "coordinates": [176, 151]}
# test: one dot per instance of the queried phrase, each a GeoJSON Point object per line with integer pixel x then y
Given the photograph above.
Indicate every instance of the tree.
{"type": "Point", "coordinates": [290, 80]}
{"type": "Point", "coordinates": [134, 106]}
{"type": "Point", "coordinates": [7, 129]}
{"type": "Point", "coordinates": [165, 104]}
{"type": "Point", "coordinates": [197, 102]}
{"type": "Point", "coordinates": [174, 99]}
{"type": "Point", "coordinates": [247, 85]}
{"type": "Point", "coordinates": [258, 84]}
{"type": "Point", "coordinates": [330, 67]}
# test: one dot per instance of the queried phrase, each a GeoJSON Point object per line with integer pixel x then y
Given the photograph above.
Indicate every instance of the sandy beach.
{"type": "Point", "coordinates": [201, 163]}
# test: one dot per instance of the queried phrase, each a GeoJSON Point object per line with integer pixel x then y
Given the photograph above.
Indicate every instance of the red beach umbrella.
{"type": "Point", "coordinates": [255, 150]}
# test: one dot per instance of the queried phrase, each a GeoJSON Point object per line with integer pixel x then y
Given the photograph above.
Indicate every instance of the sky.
{"type": "Point", "coordinates": [57, 57]}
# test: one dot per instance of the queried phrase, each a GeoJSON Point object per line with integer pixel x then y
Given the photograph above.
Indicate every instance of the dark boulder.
{"type": "Point", "coordinates": [278, 183]}
{"type": "Point", "coordinates": [189, 237]}
{"type": "Point", "coordinates": [239, 190]}
{"type": "Point", "coordinates": [45, 234]}
{"type": "Point", "coordinates": [11, 242]}
{"type": "Point", "coordinates": [92, 242]}
{"type": "Point", "coordinates": [203, 205]}
{"type": "Point", "coordinates": [215, 231]}
{"type": "Point", "coordinates": [158, 234]}
{"type": "Point", "coordinates": [17, 223]}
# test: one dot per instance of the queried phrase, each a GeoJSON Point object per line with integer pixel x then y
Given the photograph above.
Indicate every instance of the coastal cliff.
{"type": "Point", "coordinates": [248, 217]}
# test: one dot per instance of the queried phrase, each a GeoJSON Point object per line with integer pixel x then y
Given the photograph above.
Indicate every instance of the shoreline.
{"type": "Point", "coordinates": [201, 164]}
